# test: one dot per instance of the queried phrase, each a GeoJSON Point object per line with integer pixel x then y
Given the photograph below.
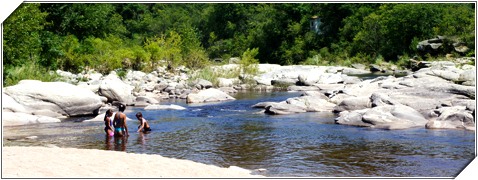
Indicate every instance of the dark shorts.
{"type": "Point", "coordinates": [146, 129]}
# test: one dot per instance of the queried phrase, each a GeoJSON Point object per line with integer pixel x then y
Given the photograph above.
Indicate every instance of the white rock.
{"type": "Point", "coordinates": [116, 90]}
{"type": "Point", "coordinates": [164, 107]}
{"type": "Point", "coordinates": [14, 119]}
{"type": "Point", "coordinates": [58, 97]}
{"type": "Point", "coordinates": [208, 95]}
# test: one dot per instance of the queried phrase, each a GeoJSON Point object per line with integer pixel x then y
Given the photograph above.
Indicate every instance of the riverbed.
{"type": "Point", "coordinates": [235, 134]}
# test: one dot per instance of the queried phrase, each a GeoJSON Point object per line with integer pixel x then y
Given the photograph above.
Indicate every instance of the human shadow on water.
{"type": "Point", "coordinates": [118, 144]}
{"type": "Point", "coordinates": [142, 138]}
{"type": "Point", "coordinates": [108, 142]}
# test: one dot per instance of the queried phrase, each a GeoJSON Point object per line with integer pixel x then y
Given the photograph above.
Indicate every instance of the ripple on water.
{"type": "Point", "coordinates": [299, 145]}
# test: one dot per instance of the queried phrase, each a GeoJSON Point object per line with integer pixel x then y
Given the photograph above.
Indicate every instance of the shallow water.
{"type": "Point", "coordinates": [234, 134]}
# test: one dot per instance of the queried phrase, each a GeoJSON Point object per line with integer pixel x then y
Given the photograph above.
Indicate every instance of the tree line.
{"type": "Point", "coordinates": [106, 37]}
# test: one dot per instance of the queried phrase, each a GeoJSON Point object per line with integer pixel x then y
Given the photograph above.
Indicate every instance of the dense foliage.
{"type": "Point", "coordinates": [106, 37]}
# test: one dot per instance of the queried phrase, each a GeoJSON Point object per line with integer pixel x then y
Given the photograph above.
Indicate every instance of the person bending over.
{"type": "Point", "coordinates": [143, 124]}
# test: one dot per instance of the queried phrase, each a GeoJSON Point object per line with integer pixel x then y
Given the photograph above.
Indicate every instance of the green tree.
{"type": "Point", "coordinates": [167, 48]}
{"type": "Point", "coordinates": [104, 55]}
{"type": "Point", "coordinates": [21, 35]}
{"type": "Point", "coordinates": [70, 52]}
{"type": "Point", "coordinates": [84, 19]}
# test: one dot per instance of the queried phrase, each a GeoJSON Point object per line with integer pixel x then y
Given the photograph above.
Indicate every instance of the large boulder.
{"type": "Point", "coordinates": [115, 89]}
{"type": "Point", "coordinates": [145, 101]}
{"type": "Point", "coordinates": [303, 88]}
{"type": "Point", "coordinates": [317, 77]}
{"type": "Point", "coordinates": [308, 79]}
{"type": "Point", "coordinates": [263, 104]}
{"type": "Point", "coordinates": [380, 99]}
{"type": "Point", "coordinates": [58, 97]}
{"type": "Point", "coordinates": [164, 107]}
{"type": "Point", "coordinates": [312, 103]}
{"type": "Point", "coordinates": [353, 103]}
{"type": "Point", "coordinates": [161, 86]}
{"type": "Point", "coordinates": [394, 117]}
{"type": "Point", "coordinates": [355, 71]}
{"type": "Point", "coordinates": [383, 117]}
{"type": "Point", "coordinates": [468, 77]}
{"type": "Point", "coordinates": [350, 79]}
{"type": "Point", "coordinates": [283, 108]}
{"type": "Point", "coordinates": [10, 105]}
{"type": "Point", "coordinates": [135, 75]}
{"type": "Point", "coordinates": [287, 75]}
{"type": "Point", "coordinates": [430, 45]}
{"type": "Point", "coordinates": [92, 87]}
{"type": "Point", "coordinates": [445, 74]}
{"type": "Point", "coordinates": [309, 101]}
{"type": "Point", "coordinates": [284, 82]}
{"type": "Point", "coordinates": [208, 95]}
{"type": "Point", "coordinates": [352, 118]}
{"type": "Point", "coordinates": [47, 113]}
{"type": "Point", "coordinates": [14, 119]}
{"type": "Point", "coordinates": [457, 117]}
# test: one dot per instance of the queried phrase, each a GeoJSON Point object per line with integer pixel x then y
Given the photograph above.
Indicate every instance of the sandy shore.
{"type": "Point", "coordinates": [45, 162]}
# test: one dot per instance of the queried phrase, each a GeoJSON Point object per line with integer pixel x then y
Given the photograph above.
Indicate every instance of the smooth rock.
{"type": "Point", "coordinates": [353, 103]}
{"type": "Point", "coordinates": [456, 117]}
{"type": "Point", "coordinates": [58, 97]}
{"type": "Point", "coordinates": [8, 103]}
{"type": "Point", "coordinates": [283, 108]}
{"type": "Point", "coordinates": [208, 95]}
{"type": "Point", "coordinates": [394, 117]}
{"type": "Point", "coordinates": [115, 89]}
{"type": "Point", "coordinates": [312, 103]}
{"type": "Point", "coordinates": [303, 88]}
{"type": "Point", "coordinates": [14, 119]}
{"type": "Point", "coordinates": [164, 107]}
{"type": "Point", "coordinates": [352, 118]}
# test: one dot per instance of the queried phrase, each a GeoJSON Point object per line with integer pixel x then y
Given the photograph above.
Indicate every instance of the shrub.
{"type": "Point", "coordinates": [248, 63]}
{"type": "Point", "coordinates": [207, 74]}
{"type": "Point", "coordinates": [32, 71]}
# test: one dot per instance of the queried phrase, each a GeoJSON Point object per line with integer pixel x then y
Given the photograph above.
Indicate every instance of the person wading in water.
{"type": "Point", "coordinates": [119, 122]}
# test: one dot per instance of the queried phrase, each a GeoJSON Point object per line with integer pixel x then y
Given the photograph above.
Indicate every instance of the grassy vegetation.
{"type": "Point", "coordinates": [28, 71]}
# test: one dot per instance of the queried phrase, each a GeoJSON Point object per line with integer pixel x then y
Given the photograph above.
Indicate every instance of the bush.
{"type": "Point", "coordinates": [248, 63]}
{"type": "Point", "coordinates": [196, 59]}
{"type": "Point", "coordinates": [32, 71]}
{"type": "Point", "coordinates": [207, 74]}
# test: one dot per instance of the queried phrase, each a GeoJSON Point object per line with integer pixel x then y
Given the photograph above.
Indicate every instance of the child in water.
{"type": "Point", "coordinates": [108, 123]}
{"type": "Point", "coordinates": [144, 125]}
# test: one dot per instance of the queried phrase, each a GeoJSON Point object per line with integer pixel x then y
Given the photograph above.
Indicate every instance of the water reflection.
{"type": "Point", "coordinates": [246, 143]}
{"type": "Point", "coordinates": [141, 139]}
{"type": "Point", "coordinates": [354, 159]}
{"type": "Point", "coordinates": [108, 142]}
{"type": "Point", "coordinates": [118, 144]}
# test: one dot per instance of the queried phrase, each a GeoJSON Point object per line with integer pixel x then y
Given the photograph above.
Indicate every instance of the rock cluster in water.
{"type": "Point", "coordinates": [438, 94]}
{"type": "Point", "coordinates": [441, 94]}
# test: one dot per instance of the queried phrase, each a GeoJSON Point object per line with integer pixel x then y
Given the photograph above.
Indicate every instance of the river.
{"type": "Point", "coordinates": [299, 145]}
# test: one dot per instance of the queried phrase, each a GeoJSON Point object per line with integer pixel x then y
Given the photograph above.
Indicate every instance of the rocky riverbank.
{"type": "Point", "coordinates": [438, 94]}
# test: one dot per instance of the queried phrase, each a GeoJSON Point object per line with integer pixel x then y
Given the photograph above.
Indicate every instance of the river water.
{"type": "Point", "coordinates": [299, 145]}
